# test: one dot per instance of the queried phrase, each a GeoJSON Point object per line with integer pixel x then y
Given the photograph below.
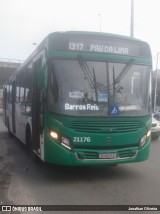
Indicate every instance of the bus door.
{"type": "Point", "coordinates": [36, 108]}
{"type": "Point", "coordinates": [13, 106]}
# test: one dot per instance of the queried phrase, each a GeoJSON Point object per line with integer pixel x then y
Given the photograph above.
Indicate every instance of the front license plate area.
{"type": "Point", "coordinates": [107, 155]}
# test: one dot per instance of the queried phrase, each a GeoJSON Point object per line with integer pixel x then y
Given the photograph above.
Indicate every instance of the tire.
{"type": "Point", "coordinates": [29, 145]}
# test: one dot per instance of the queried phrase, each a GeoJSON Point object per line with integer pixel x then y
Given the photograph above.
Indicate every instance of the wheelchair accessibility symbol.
{"type": "Point", "coordinates": [114, 110]}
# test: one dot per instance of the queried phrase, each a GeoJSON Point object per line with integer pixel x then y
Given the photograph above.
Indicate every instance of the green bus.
{"type": "Point", "coordinates": [83, 98]}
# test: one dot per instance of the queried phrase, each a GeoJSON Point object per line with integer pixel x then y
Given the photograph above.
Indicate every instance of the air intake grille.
{"type": "Point", "coordinates": [104, 126]}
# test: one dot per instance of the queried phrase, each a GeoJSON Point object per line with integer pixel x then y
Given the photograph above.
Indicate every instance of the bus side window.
{"type": "Point", "coordinates": [10, 93]}
{"type": "Point", "coordinates": [28, 84]}
{"type": "Point", "coordinates": [17, 88]}
{"type": "Point", "coordinates": [22, 86]}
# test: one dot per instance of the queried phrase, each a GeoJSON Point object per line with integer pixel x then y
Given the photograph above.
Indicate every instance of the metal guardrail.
{"type": "Point", "coordinates": [10, 63]}
{"type": "Point", "coordinates": [19, 61]}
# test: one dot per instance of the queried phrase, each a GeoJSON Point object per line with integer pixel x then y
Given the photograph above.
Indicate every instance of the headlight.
{"type": "Point", "coordinates": [53, 135]}
{"type": "Point", "coordinates": [60, 139]}
{"type": "Point", "coordinates": [143, 141]}
{"type": "Point", "coordinates": [145, 138]}
{"type": "Point", "coordinates": [149, 133]}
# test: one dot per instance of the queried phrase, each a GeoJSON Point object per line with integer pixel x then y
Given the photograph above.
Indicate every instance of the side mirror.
{"type": "Point", "coordinates": [41, 77]}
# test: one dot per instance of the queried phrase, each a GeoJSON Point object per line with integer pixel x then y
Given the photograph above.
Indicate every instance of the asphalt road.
{"type": "Point", "coordinates": [25, 182]}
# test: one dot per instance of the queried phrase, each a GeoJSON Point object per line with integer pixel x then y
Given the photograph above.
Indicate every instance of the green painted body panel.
{"type": "Point", "coordinates": [123, 144]}
{"type": "Point", "coordinates": [55, 154]}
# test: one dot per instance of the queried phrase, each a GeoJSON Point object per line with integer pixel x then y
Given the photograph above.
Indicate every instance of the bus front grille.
{"type": "Point", "coordinates": [104, 126]}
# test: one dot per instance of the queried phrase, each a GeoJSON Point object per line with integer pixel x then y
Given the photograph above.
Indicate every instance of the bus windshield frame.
{"type": "Point", "coordinates": [94, 88]}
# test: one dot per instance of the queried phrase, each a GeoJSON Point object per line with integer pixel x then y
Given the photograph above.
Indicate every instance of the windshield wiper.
{"type": "Point", "coordinates": [86, 70]}
{"type": "Point", "coordinates": [90, 76]}
{"type": "Point", "coordinates": [124, 71]}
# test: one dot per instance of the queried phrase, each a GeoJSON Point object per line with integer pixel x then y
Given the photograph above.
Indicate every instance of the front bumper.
{"type": "Point", "coordinates": [56, 154]}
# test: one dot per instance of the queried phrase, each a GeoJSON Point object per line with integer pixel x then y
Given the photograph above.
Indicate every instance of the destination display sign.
{"type": "Point", "coordinates": [110, 47]}
{"type": "Point", "coordinates": [101, 44]}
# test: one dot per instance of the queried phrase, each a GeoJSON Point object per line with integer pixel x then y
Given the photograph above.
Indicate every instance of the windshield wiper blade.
{"type": "Point", "coordinates": [124, 70]}
{"type": "Point", "coordinates": [88, 74]}
{"type": "Point", "coordinates": [95, 84]}
{"type": "Point", "coordinates": [86, 71]}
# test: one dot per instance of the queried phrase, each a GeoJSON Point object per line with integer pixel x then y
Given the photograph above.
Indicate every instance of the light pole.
{"type": "Point", "coordinates": [155, 92]}
{"type": "Point", "coordinates": [132, 19]}
{"type": "Point", "coordinates": [99, 22]}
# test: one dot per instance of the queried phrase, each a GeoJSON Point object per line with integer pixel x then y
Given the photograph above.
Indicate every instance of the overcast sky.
{"type": "Point", "coordinates": [24, 22]}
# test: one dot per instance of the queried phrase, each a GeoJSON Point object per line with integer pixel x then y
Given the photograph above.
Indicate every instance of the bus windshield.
{"type": "Point", "coordinates": [86, 88]}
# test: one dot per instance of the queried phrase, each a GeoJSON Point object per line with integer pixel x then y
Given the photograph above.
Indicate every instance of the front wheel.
{"type": "Point", "coordinates": [29, 144]}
